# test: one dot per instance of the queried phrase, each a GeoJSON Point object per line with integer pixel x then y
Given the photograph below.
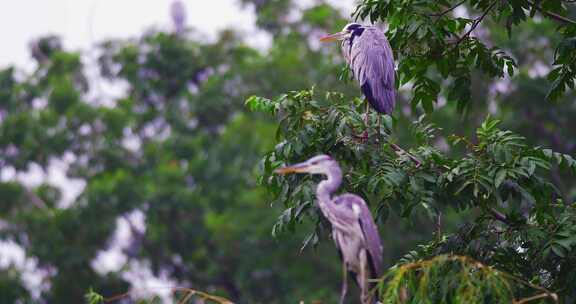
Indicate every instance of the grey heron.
{"type": "Point", "coordinates": [353, 228]}
{"type": "Point", "coordinates": [369, 55]}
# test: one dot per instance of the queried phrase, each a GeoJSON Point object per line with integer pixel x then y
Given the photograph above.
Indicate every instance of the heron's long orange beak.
{"type": "Point", "coordinates": [291, 169]}
{"type": "Point", "coordinates": [334, 37]}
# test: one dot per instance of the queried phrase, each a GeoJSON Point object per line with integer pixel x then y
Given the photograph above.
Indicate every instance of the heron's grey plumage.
{"type": "Point", "coordinates": [353, 228]}
{"type": "Point", "coordinates": [372, 242]}
{"type": "Point", "coordinates": [370, 57]}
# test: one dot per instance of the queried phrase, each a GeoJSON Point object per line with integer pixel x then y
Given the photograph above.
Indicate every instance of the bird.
{"type": "Point", "coordinates": [369, 55]}
{"type": "Point", "coordinates": [353, 228]}
{"type": "Point", "coordinates": [178, 16]}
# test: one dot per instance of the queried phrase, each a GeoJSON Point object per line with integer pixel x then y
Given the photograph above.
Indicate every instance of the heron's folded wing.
{"type": "Point", "coordinates": [372, 238]}
{"type": "Point", "coordinates": [372, 62]}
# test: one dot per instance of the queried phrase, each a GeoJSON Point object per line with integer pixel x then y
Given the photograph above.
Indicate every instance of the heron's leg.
{"type": "Point", "coordinates": [344, 282]}
{"type": "Point", "coordinates": [364, 288]}
{"type": "Point", "coordinates": [379, 124]}
{"type": "Point", "coordinates": [364, 136]}
{"type": "Point", "coordinates": [412, 157]}
{"type": "Point", "coordinates": [366, 117]}
{"type": "Point", "coordinates": [366, 120]}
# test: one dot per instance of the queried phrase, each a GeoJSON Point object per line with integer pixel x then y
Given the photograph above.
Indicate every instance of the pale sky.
{"type": "Point", "coordinates": [81, 23]}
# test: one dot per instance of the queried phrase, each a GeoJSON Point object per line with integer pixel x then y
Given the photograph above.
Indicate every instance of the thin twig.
{"type": "Point", "coordinates": [552, 15]}
{"type": "Point", "coordinates": [412, 157]}
{"type": "Point", "coordinates": [439, 226]}
{"type": "Point", "coordinates": [188, 291]}
{"type": "Point", "coordinates": [447, 10]}
{"type": "Point", "coordinates": [476, 22]}
{"type": "Point", "coordinates": [536, 297]}
{"type": "Point", "coordinates": [34, 199]}
{"type": "Point", "coordinates": [499, 216]}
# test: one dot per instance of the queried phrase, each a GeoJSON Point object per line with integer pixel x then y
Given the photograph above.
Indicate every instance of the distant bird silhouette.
{"type": "Point", "coordinates": [178, 14]}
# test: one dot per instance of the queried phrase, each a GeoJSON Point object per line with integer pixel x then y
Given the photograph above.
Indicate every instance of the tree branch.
{"type": "Point", "coordinates": [552, 15]}
{"type": "Point", "coordinates": [499, 216]}
{"type": "Point", "coordinates": [536, 297]}
{"type": "Point", "coordinates": [34, 199]}
{"type": "Point", "coordinates": [447, 10]}
{"type": "Point", "coordinates": [439, 226]}
{"type": "Point", "coordinates": [477, 22]}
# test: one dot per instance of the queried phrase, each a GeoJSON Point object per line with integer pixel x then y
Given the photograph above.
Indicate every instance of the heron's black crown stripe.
{"type": "Point", "coordinates": [356, 32]}
{"type": "Point", "coordinates": [353, 26]}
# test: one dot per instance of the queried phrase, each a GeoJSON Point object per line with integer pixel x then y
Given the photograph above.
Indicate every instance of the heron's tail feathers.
{"type": "Point", "coordinates": [382, 99]}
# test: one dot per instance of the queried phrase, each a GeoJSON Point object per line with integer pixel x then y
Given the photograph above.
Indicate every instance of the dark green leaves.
{"type": "Point", "coordinates": [563, 76]}
{"type": "Point", "coordinates": [427, 35]}
{"type": "Point", "coordinates": [499, 176]}
{"type": "Point", "coordinates": [499, 168]}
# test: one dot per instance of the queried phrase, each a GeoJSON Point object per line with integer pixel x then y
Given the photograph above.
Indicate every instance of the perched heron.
{"type": "Point", "coordinates": [370, 57]}
{"type": "Point", "coordinates": [353, 228]}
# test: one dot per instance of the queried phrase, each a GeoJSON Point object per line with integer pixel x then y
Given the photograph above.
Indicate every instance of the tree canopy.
{"type": "Point", "coordinates": [486, 104]}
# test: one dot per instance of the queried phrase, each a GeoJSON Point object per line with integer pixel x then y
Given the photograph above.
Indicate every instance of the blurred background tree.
{"type": "Point", "coordinates": [180, 150]}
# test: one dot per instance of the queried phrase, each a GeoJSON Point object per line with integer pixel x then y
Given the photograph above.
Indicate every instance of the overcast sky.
{"type": "Point", "coordinates": [82, 22]}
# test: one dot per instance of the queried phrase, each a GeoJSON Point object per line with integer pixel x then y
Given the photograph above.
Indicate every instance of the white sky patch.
{"type": "Point", "coordinates": [461, 12]}
{"type": "Point", "coordinates": [34, 279]}
{"type": "Point", "coordinates": [69, 187]}
{"type": "Point", "coordinates": [113, 259]}
{"type": "Point", "coordinates": [539, 70]}
{"type": "Point", "coordinates": [110, 260]}
{"type": "Point", "coordinates": [145, 284]}
{"type": "Point", "coordinates": [81, 23]}
{"type": "Point", "coordinates": [500, 87]}
{"type": "Point", "coordinates": [55, 176]}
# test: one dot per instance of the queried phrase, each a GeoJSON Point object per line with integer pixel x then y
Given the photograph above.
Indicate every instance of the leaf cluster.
{"type": "Point", "coordinates": [499, 179]}
{"type": "Point", "coordinates": [453, 279]}
{"type": "Point", "coordinates": [437, 47]}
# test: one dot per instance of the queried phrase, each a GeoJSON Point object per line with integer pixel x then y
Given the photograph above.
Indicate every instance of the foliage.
{"type": "Point", "coordinates": [177, 147]}
{"type": "Point", "coordinates": [436, 47]}
{"type": "Point", "coordinates": [500, 178]}
{"type": "Point", "coordinates": [453, 279]}
{"type": "Point", "coordinates": [182, 296]}
{"type": "Point", "coordinates": [512, 193]}
{"type": "Point", "coordinates": [93, 297]}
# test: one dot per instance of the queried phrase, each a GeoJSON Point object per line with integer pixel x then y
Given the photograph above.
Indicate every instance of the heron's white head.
{"type": "Point", "coordinates": [348, 30]}
{"type": "Point", "coordinates": [320, 164]}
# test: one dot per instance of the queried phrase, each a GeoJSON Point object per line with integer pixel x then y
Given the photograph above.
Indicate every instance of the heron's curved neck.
{"type": "Point", "coordinates": [329, 185]}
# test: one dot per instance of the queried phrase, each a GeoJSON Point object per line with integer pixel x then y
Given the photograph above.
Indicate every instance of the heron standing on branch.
{"type": "Point", "coordinates": [353, 228]}
{"type": "Point", "coordinates": [369, 55]}
{"type": "Point", "coordinates": [370, 58]}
